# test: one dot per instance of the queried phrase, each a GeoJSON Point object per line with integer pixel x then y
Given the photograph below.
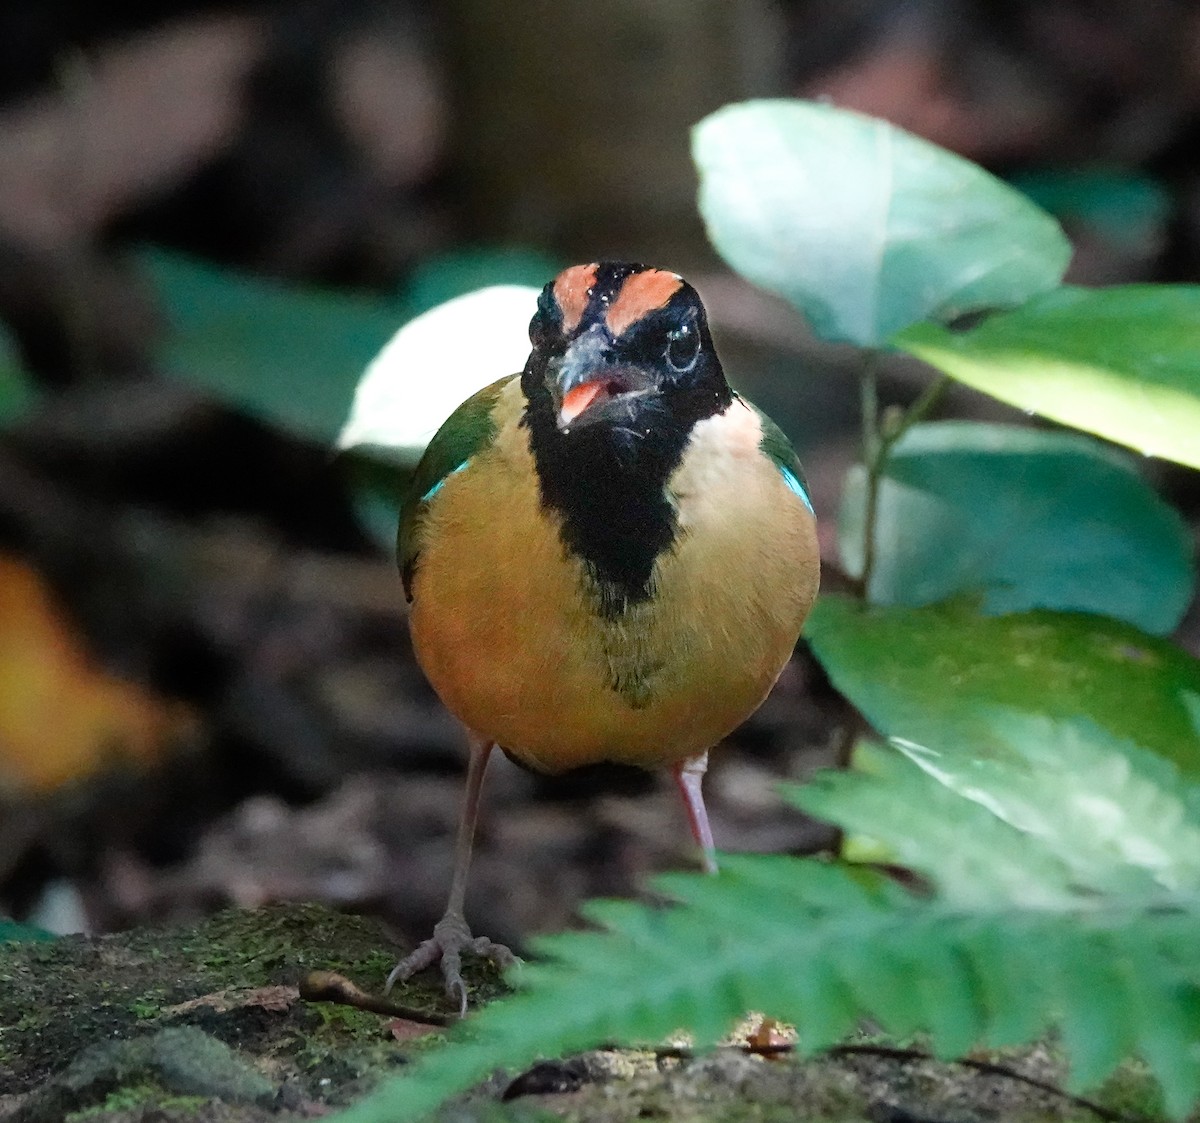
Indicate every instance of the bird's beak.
{"type": "Point", "coordinates": [590, 375]}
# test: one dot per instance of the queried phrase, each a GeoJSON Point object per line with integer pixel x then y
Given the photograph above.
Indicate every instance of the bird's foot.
{"type": "Point", "coordinates": [451, 937]}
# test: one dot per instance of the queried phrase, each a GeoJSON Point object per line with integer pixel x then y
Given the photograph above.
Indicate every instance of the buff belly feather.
{"type": "Point", "coordinates": [508, 631]}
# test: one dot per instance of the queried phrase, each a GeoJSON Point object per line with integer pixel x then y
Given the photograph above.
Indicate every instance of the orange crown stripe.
{"type": "Point", "coordinates": [571, 288]}
{"type": "Point", "coordinates": [641, 293]}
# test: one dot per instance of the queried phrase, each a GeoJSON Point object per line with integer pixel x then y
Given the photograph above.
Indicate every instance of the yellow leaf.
{"type": "Point", "coordinates": [62, 717]}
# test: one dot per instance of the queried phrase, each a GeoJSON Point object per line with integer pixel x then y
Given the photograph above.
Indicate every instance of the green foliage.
{"type": "Point", "coordinates": [824, 946]}
{"type": "Point", "coordinates": [862, 226]}
{"type": "Point", "coordinates": [419, 379]}
{"type": "Point", "coordinates": [1050, 809]}
{"type": "Point", "coordinates": [1121, 362]}
{"type": "Point", "coordinates": [462, 271]}
{"type": "Point", "coordinates": [1040, 780]}
{"type": "Point", "coordinates": [1065, 873]}
{"type": "Point", "coordinates": [1037, 520]}
{"type": "Point", "coordinates": [293, 355]}
{"type": "Point", "coordinates": [1124, 207]}
{"type": "Point", "coordinates": [938, 674]}
{"type": "Point", "coordinates": [16, 390]}
{"type": "Point", "coordinates": [289, 355]}
{"type": "Point", "coordinates": [13, 931]}
{"type": "Point", "coordinates": [1064, 815]}
{"type": "Point", "coordinates": [1064, 877]}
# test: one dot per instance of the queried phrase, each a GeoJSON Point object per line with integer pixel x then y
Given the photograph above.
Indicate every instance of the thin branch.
{"type": "Point", "coordinates": [872, 461]}
{"type": "Point", "coordinates": [989, 1068]}
{"type": "Point", "coordinates": [328, 986]}
{"type": "Point", "coordinates": [879, 437]}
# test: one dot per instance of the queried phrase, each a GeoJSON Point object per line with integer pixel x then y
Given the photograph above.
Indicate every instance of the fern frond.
{"type": "Point", "coordinates": [1053, 808]}
{"type": "Point", "coordinates": [909, 819]}
{"type": "Point", "coordinates": [823, 945]}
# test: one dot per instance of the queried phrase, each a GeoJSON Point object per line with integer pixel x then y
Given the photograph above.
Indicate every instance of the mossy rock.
{"type": "Point", "coordinates": [89, 1026]}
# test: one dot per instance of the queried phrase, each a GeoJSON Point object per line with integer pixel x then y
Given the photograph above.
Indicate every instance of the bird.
{"type": "Point", "coordinates": [607, 557]}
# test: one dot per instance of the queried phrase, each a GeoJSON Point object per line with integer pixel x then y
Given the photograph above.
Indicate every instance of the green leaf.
{"type": "Point", "coordinates": [1119, 818]}
{"type": "Point", "coordinates": [936, 675]}
{"type": "Point", "coordinates": [16, 390]}
{"type": "Point", "coordinates": [1045, 810]}
{"type": "Point", "coordinates": [976, 857]}
{"type": "Point", "coordinates": [289, 355]}
{"type": "Point", "coordinates": [1164, 1023]}
{"type": "Point", "coordinates": [13, 931]}
{"type": "Point", "coordinates": [456, 272]}
{"type": "Point", "coordinates": [1097, 940]}
{"type": "Point", "coordinates": [294, 356]}
{"type": "Point", "coordinates": [1126, 207]}
{"type": "Point", "coordinates": [862, 226]}
{"type": "Point", "coordinates": [1120, 362]}
{"type": "Point", "coordinates": [1095, 1040]}
{"type": "Point", "coordinates": [1020, 519]}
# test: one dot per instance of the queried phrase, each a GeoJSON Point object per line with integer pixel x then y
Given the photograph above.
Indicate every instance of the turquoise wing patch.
{"type": "Point", "coordinates": [793, 481]}
{"type": "Point", "coordinates": [441, 483]}
{"type": "Point", "coordinates": [774, 443]}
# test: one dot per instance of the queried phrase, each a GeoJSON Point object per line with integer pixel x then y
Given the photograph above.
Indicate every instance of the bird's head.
{"type": "Point", "coordinates": [623, 347]}
{"type": "Point", "coordinates": [621, 372]}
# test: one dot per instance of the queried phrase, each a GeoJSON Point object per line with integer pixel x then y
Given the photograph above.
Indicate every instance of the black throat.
{"type": "Point", "coordinates": [607, 483]}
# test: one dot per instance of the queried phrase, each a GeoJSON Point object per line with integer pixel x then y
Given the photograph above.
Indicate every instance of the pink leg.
{"type": "Point", "coordinates": [451, 935]}
{"type": "Point", "coordinates": [689, 775]}
{"type": "Point", "coordinates": [481, 753]}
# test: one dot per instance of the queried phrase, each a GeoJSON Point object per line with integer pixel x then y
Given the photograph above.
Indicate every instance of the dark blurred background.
{"type": "Point", "coordinates": [210, 219]}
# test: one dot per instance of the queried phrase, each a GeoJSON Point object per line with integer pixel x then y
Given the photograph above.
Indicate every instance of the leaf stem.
{"type": "Point", "coordinates": [872, 460]}
{"type": "Point", "coordinates": [880, 434]}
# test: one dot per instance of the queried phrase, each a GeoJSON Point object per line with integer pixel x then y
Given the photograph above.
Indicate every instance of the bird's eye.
{"type": "Point", "coordinates": [683, 346]}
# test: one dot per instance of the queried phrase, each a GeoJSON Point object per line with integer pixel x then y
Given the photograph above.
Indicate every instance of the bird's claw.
{"type": "Point", "coordinates": [451, 937]}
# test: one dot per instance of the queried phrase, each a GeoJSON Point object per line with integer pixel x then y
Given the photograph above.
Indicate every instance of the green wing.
{"type": "Point", "coordinates": [465, 432]}
{"type": "Point", "coordinates": [775, 444]}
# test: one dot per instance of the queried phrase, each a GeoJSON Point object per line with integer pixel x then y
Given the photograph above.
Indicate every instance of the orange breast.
{"type": "Point", "coordinates": [507, 632]}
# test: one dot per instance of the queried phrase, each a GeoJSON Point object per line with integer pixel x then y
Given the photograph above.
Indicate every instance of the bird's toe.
{"type": "Point", "coordinates": [500, 954]}
{"type": "Point", "coordinates": [451, 937]}
{"type": "Point", "coordinates": [426, 955]}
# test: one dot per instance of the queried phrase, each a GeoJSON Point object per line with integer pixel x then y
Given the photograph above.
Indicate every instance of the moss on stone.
{"type": "Point", "coordinates": [59, 999]}
{"type": "Point", "coordinates": [136, 1096]}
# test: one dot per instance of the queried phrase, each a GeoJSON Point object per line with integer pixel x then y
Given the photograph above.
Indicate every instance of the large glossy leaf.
{"type": "Point", "coordinates": [1121, 362]}
{"type": "Point", "coordinates": [292, 356]}
{"type": "Point", "coordinates": [973, 855]}
{"type": "Point", "coordinates": [862, 226]}
{"type": "Point", "coordinates": [934, 675]}
{"type": "Point", "coordinates": [1049, 808]}
{"type": "Point", "coordinates": [1021, 518]}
